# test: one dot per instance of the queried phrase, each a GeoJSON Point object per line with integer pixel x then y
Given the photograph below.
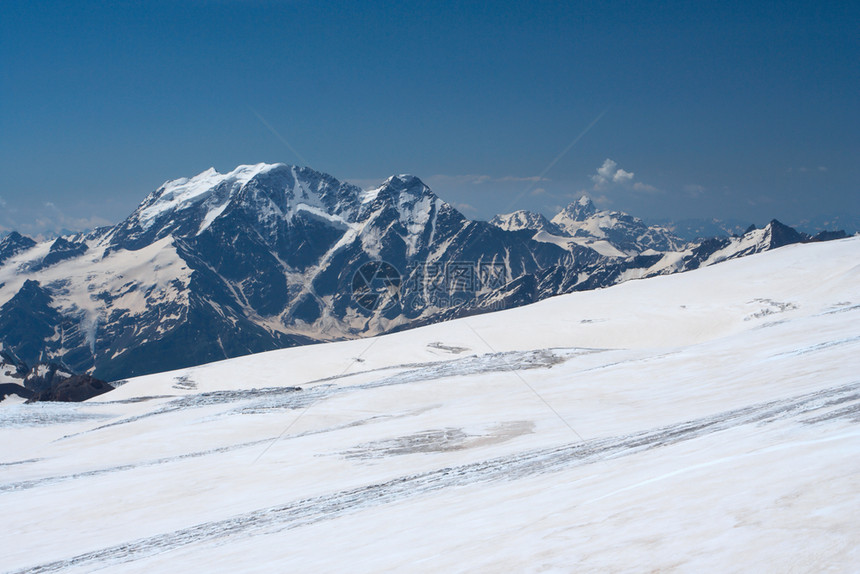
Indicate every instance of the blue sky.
{"type": "Point", "coordinates": [666, 109]}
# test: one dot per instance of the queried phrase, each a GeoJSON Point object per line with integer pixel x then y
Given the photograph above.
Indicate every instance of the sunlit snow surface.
{"type": "Point", "coordinates": [707, 421]}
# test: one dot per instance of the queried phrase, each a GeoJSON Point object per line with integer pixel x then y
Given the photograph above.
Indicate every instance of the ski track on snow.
{"type": "Point", "coordinates": [49, 480]}
{"type": "Point", "coordinates": [270, 398]}
{"type": "Point", "coordinates": [506, 468]}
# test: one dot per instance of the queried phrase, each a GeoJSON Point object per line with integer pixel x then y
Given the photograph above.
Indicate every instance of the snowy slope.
{"type": "Point", "coordinates": [700, 422]}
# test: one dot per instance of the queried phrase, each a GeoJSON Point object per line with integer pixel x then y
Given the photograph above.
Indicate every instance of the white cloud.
{"type": "Point", "coordinates": [465, 207]}
{"type": "Point", "coordinates": [610, 172]}
{"type": "Point", "coordinates": [694, 190]}
{"type": "Point", "coordinates": [605, 173]}
{"type": "Point", "coordinates": [601, 200]}
{"type": "Point", "coordinates": [622, 176]}
{"type": "Point", "coordinates": [639, 186]}
{"type": "Point", "coordinates": [805, 169]}
{"type": "Point", "coordinates": [531, 178]}
{"type": "Point", "coordinates": [610, 175]}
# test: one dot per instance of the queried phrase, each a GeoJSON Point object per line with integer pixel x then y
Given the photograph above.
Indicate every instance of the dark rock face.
{"type": "Point", "coordinates": [13, 244]}
{"type": "Point", "coordinates": [61, 250]}
{"type": "Point", "coordinates": [7, 389]}
{"type": "Point", "coordinates": [782, 235]}
{"type": "Point", "coordinates": [74, 389]}
{"type": "Point", "coordinates": [44, 376]}
{"type": "Point", "coordinates": [11, 367]}
{"type": "Point", "coordinates": [27, 320]}
{"type": "Point", "coordinates": [47, 380]}
{"type": "Point", "coordinates": [829, 235]}
{"type": "Point", "coordinates": [704, 250]}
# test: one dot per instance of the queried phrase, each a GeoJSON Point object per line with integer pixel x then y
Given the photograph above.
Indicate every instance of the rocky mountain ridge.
{"type": "Point", "coordinates": [270, 256]}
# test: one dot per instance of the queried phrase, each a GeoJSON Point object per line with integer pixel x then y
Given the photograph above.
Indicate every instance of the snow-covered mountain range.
{"type": "Point", "coordinates": [270, 256]}
{"type": "Point", "coordinates": [699, 422]}
{"type": "Point", "coordinates": [613, 234]}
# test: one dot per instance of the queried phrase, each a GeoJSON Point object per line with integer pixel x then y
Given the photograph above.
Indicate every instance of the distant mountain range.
{"type": "Point", "coordinates": [694, 229]}
{"type": "Point", "coordinates": [270, 256]}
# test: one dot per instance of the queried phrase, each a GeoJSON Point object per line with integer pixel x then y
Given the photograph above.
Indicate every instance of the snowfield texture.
{"type": "Point", "coordinates": [707, 421]}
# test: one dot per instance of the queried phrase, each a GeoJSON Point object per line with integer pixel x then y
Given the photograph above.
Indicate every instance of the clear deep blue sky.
{"type": "Point", "coordinates": [747, 110]}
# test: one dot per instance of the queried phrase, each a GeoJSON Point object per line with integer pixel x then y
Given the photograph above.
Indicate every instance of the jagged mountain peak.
{"type": "Point", "coordinates": [185, 206]}
{"type": "Point", "coordinates": [627, 234]}
{"type": "Point", "coordinates": [271, 194]}
{"type": "Point", "coordinates": [585, 202]}
{"type": "Point", "coordinates": [405, 181]}
{"type": "Point", "coordinates": [579, 210]}
{"type": "Point", "coordinates": [395, 186]}
{"type": "Point", "coordinates": [403, 210]}
{"type": "Point", "coordinates": [524, 219]}
{"type": "Point", "coordinates": [406, 196]}
{"type": "Point", "coordinates": [13, 244]}
{"type": "Point", "coordinates": [14, 237]}
{"type": "Point", "coordinates": [286, 190]}
{"type": "Point", "coordinates": [777, 234]}
{"type": "Point", "coordinates": [183, 192]}
{"type": "Point", "coordinates": [32, 293]}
